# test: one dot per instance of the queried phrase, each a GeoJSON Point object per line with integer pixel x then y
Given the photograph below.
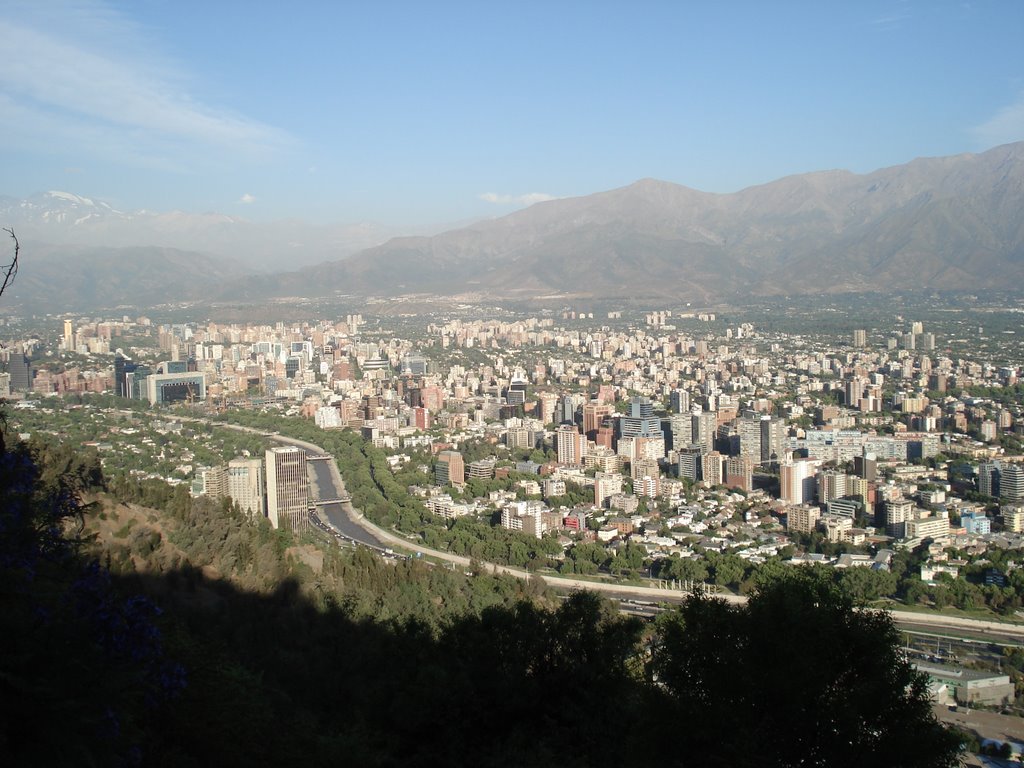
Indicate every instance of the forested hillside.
{"type": "Point", "coordinates": [152, 629]}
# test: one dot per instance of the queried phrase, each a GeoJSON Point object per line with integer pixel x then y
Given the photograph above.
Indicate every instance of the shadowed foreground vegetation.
{"type": "Point", "coordinates": [190, 654]}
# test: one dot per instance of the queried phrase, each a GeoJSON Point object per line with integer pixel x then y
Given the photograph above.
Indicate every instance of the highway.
{"type": "Point", "coordinates": [351, 524]}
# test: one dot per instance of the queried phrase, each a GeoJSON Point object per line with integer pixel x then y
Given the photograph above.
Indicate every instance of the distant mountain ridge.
{"type": "Point", "coordinates": [946, 223]}
{"type": "Point", "coordinates": [80, 222]}
{"type": "Point", "coordinates": [65, 278]}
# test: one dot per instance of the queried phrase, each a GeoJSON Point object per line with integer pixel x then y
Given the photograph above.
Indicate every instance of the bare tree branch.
{"type": "Point", "coordinates": [10, 271]}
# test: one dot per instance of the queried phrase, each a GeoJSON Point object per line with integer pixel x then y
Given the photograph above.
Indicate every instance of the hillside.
{"type": "Point", "coordinates": [63, 278]}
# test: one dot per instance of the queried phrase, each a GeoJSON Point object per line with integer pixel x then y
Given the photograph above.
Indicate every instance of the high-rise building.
{"type": "Point", "coordinates": [1013, 518]}
{"type": "Point", "coordinates": [548, 403]}
{"type": "Point", "coordinates": [606, 485]}
{"type": "Point", "coordinates": [681, 429]}
{"type": "Point", "coordinates": [566, 412]}
{"type": "Point", "coordinates": [414, 365]}
{"type": "Point", "coordinates": [287, 488]}
{"type": "Point", "coordinates": [860, 338]}
{"type": "Point", "coordinates": [641, 421]}
{"type": "Point", "coordinates": [797, 484]}
{"type": "Point", "coordinates": [739, 473]}
{"type": "Point", "coordinates": [20, 368]}
{"type": "Point", "coordinates": [69, 336]}
{"type": "Point", "coordinates": [748, 429]}
{"type": "Point", "coordinates": [450, 469]}
{"type": "Point", "coordinates": [989, 476]}
{"type": "Point", "coordinates": [515, 393]}
{"type": "Point", "coordinates": [897, 513]}
{"type": "Point", "coordinates": [1011, 483]}
{"type": "Point", "coordinates": [122, 368]}
{"type": "Point", "coordinates": [679, 401]}
{"type": "Point", "coordinates": [690, 464]}
{"type": "Point", "coordinates": [831, 486]}
{"type": "Point", "coordinates": [712, 468]}
{"type": "Point", "coordinates": [211, 482]}
{"type": "Point", "coordinates": [246, 486]}
{"type": "Point", "coordinates": [570, 445]}
{"type": "Point", "coordinates": [866, 466]}
{"type": "Point", "coordinates": [773, 440]}
{"type": "Point", "coordinates": [802, 518]}
{"type": "Point", "coordinates": [594, 414]}
{"type": "Point", "coordinates": [175, 387]}
{"type": "Point", "coordinates": [705, 425]}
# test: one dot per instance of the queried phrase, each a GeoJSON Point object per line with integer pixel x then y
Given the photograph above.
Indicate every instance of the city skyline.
{"type": "Point", "coordinates": [425, 117]}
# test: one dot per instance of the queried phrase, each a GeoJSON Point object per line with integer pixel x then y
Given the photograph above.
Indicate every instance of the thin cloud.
{"type": "Point", "coordinates": [247, 199]}
{"type": "Point", "coordinates": [73, 80]}
{"type": "Point", "coordinates": [528, 199]}
{"type": "Point", "coordinates": [1004, 127]}
{"type": "Point", "coordinates": [890, 21]}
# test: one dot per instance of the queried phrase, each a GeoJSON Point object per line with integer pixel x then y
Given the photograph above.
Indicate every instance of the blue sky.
{"type": "Point", "coordinates": [418, 113]}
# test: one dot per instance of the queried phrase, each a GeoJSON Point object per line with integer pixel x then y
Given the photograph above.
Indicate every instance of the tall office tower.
{"type": "Point", "coordinates": [797, 484]}
{"type": "Point", "coordinates": [705, 424]}
{"type": "Point", "coordinates": [927, 341]}
{"type": "Point", "coordinates": [246, 486]}
{"type": "Point", "coordinates": [69, 337]}
{"type": "Point", "coordinates": [690, 465]}
{"type": "Point", "coordinates": [773, 440]}
{"type": "Point", "coordinates": [917, 327]}
{"type": "Point", "coordinates": [860, 338]}
{"type": "Point", "coordinates": [593, 414]}
{"type": "Point", "coordinates": [679, 401]}
{"type": "Point", "coordinates": [989, 478]}
{"type": "Point", "coordinates": [1011, 483]}
{"type": "Point", "coordinates": [566, 409]}
{"type": "Point", "coordinates": [570, 444]}
{"type": "Point", "coordinates": [20, 368]}
{"type": "Point", "coordinates": [120, 369]}
{"type": "Point", "coordinates": [287, 488]}
{"type": "Point", "coordinates": [450, 469]}
{"type": "Point", "coordinates": [641, 421]}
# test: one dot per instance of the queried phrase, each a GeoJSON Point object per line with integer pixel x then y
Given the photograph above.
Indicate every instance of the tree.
{"type": "Point", "coordinates": [797, 676]}
{"type": "Point", "coordinates": [10, 270]}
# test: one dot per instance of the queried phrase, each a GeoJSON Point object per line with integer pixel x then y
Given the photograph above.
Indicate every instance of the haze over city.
{"type": "Point", "coordinates": [422, 116]}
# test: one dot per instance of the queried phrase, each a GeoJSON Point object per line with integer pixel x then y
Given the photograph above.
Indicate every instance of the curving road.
{"type": "Point", "coordinates": [352, 523]}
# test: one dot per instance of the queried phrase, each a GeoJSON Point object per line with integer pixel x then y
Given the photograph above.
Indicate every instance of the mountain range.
{"type": "Point", "coordinates": [949, 223]}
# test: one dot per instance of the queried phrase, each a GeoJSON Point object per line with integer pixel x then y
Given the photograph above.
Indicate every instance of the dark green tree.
{"type": "Point", "coordinates": [797, 676]}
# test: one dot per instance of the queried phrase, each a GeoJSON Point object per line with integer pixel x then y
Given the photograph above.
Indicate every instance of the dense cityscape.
{"type": "Point", "coordinates": [486, 386]}
{"type": "Point", "coordinates": [665, 444]}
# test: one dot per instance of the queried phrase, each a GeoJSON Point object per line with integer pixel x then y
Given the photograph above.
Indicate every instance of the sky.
{"type": "Point", "coordinates": [415, 114]}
